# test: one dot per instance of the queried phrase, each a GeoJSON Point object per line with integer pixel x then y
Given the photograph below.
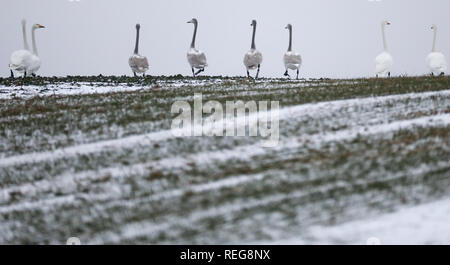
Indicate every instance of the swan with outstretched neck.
{"type": "Point", "coordinates": [35, 62]}
{"type": "Point", "coordinates": [253, 58]}
{"type": "Point", "coordinates": [138, 63]}
{"type": "Point", "coordinates": [195, 57]}
{"type": "Point", "coordinates": [436, 60]}
{"type": "Point", "coordinates": [291, 59]}
{"type": "Point", "coordinates": [384, 61]}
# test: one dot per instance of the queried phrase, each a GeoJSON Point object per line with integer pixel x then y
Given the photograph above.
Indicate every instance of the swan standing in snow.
{"type": "Point", "coordinates": [292, 60]}
{"type": "Point", "coordinates": [196, 58]}
{"type": "Point", "coordinates": [436, 60]}
{"type": "Point", "coordinates": [21, 59]}
{"type": "Point", "coordinates": [137, 62]}
{"type": "Point", "coordinates": [35, 61]}
{"type": "Point", "coordinates": [384, 61]}
{"type": "Point", "coordinates": [253, 58]}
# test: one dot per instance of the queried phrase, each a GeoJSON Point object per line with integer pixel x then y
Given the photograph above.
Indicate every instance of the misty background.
{"type": "Point", "coordinates": [336, 39]}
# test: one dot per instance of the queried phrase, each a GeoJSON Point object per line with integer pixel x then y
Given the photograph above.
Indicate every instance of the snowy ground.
{"type": "Point", "coordinates": [97, 160]}
{"type": "Point", "coordinates": [424, 224]}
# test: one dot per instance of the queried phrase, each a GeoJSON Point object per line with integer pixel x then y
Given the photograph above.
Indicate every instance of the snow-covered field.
{"type": "Point", "coordinates": [423, 224]}
{"type": "Point", "coordinates": [357, 159]}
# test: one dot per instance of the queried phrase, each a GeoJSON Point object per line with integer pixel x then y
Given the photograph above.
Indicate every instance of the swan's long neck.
{"type": "Point", "coordinates": [194, 35]}
{"type": "Point", "coordinates": [253, 37]}
{"type": "Point", "coordinates": [434, 40]}
{"type": "Point", "coordinates": [136, 48]}
{"type": "Point", "coordinates": [383, 31]}
{"type": "Point", "coordinates": [24, 32]}
{"type": "Point", "coordinates": [290, 40]}
{"type": "Point", "coordinates": [34, 41]}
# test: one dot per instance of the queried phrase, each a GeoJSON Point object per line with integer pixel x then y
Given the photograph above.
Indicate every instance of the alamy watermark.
{"type": "Point", "coordinates": [235, 118]}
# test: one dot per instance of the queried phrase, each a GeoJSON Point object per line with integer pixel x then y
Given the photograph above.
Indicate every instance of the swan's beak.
{"type": "Point", "coordinates": [40, 26]}
{"type": "Point", "coordinates": [388, 23]}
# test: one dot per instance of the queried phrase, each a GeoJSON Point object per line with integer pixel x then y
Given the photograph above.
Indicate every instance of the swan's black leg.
{"type": "Point", "coordinates": [257, 72]}
{"type": "Point", "coordinates": [297, 74]}
{"type": "Point", "coordinates": [143, 75]}
{"type": "Point", "coordinates": [24, 74]}
{"type": "Point", "coordinates": [199, 71]}
{"type": "Point", "coordinates": [134, 73]}
{"type": "Point", "coordinates": [193, 72]}
{"type": "Point", "coordinates": [248, 74]}
{"type": "Point", "coordinates": [287, 74]}
{"type": "Point", "coordinates": [376, 76]}
{"type": "Point", "coordinates": [389, 74]}
{"type": "Point", "coordinates": [432, 74]}
{"type": "Point", "coordinates": [442, 74]}
{"type": "Point", "coordinates": [12, 74]}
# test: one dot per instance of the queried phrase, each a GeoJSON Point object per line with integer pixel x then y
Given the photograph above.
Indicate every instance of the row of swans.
{"type": "Point", "coordinates": [292, 60]}
{"type": "Point", "coordinates": [383, 62]}
{"type": "Point", "coordinates": [25, 61]}
{"type": "Point", "coordinates": [197, 59]}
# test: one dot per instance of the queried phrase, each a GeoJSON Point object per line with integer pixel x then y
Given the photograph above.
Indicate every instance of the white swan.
{"type": "Point", "coordinates": [436, 60]}
{"type": "Point", "coordinates": [384, 61]}
{"type": "Point", "coordinates": [137, 62]}
{"type": "Point", "coordinates": [292, 60]}
{"type": "Point", "coordinates": [21, 59]}
{"type": "Point", "coordinates": [196, 58]}
{"type": "Point", "coordinates": [253, 58]}
{"type": "Point", "coordinates": [35, 62]}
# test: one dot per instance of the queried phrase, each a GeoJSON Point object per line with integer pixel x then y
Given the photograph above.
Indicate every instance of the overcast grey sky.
{"type": "Point", "coordinates": [337, 38]}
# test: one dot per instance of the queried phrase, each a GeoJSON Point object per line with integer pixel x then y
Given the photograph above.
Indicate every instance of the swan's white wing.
{"type": "Point", "coordinates": [437, 62]}
{"type": "Point", "coordinates": [252, 59]}
{"type": "Point", "coordinates": [292, 60]}
{"type": "Point", "coordinates": [35, 64]}
{"type": "Point", "coordinates": [383, 63]}
{"type": "Point", "coordinates": [138, 63]}
{"type": "Point", "coordinates": [196, 58]}
{"type": "Point", "coordinates": [20, 61]}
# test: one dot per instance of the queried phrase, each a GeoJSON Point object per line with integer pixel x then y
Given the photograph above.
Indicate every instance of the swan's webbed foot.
{"type": "Point", "coordinates": [287, 74]}
{"type": "Point", "coordinates": [33, 75]}
{"type": "Point", "coordinates": [442, 74]}
{"type": "Point", "coordinates": [12, 73]}
{"type": "Point", "coordinates": [199, 71]}
{"type": "Point", "coordinates": [257, 72]}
